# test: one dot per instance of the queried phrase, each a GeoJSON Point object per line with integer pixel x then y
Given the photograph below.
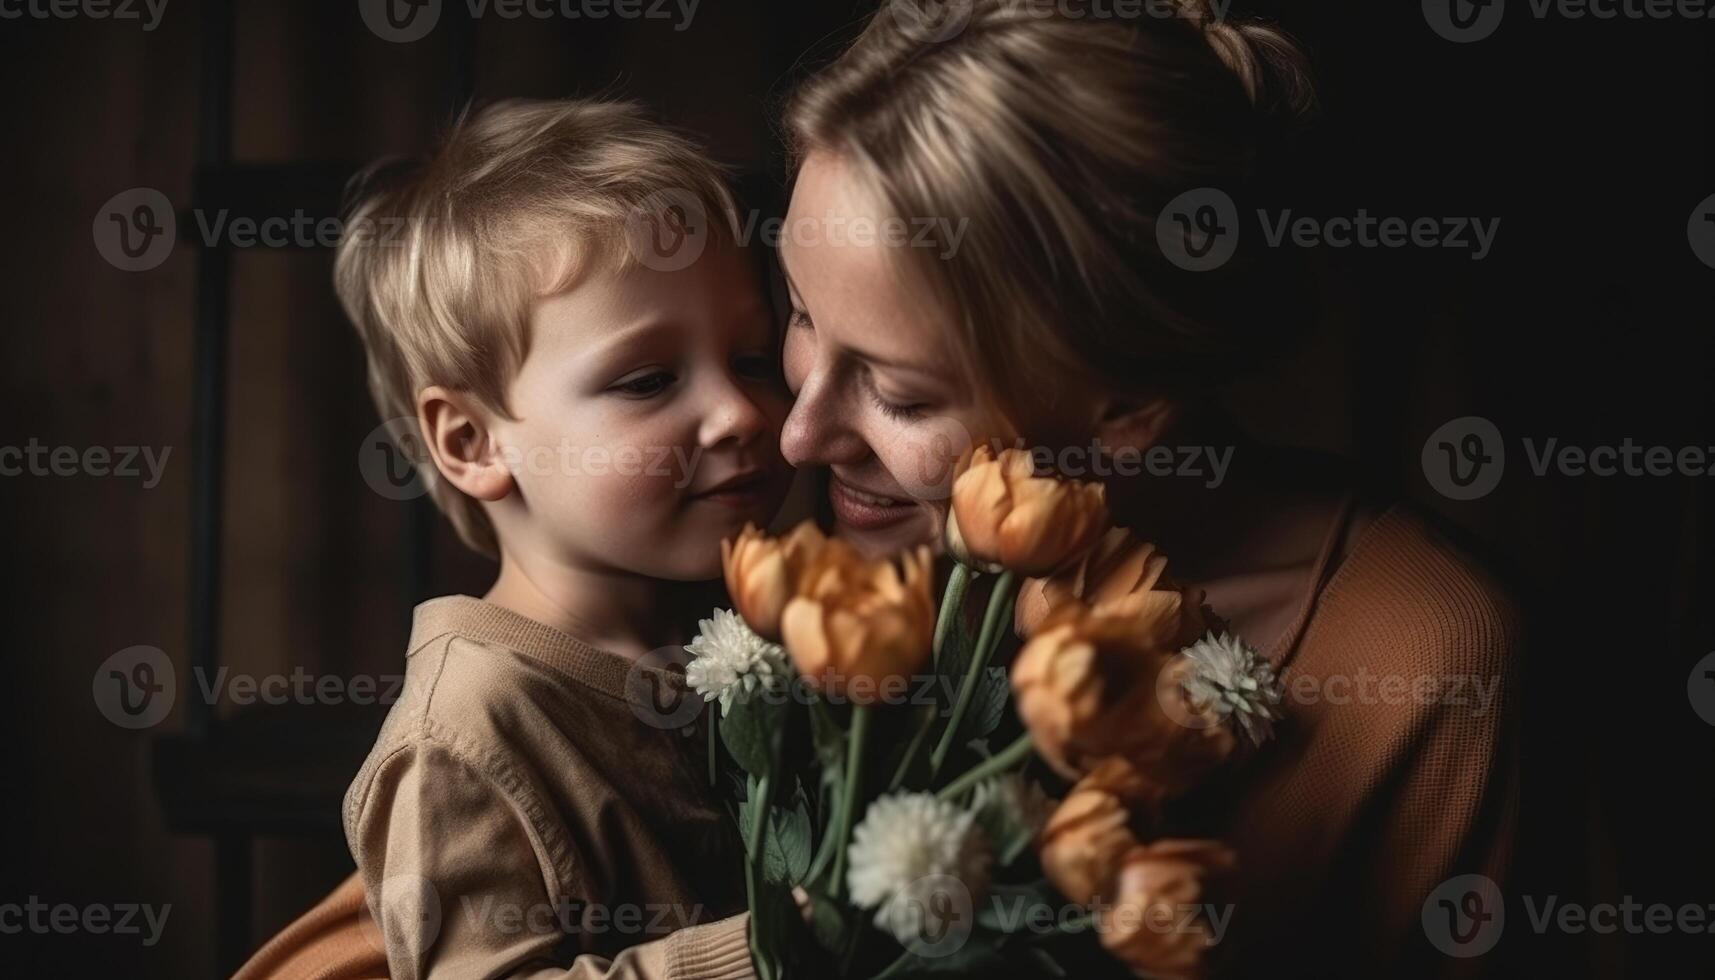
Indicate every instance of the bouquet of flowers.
{"type": "Point", "coordinates": [888, 776]}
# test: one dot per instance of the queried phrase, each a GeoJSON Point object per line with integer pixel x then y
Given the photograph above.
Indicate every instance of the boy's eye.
{"type": "Point", "coordinates": [645, 385]}
{"type": "Point", "coordinates": [799, 318]}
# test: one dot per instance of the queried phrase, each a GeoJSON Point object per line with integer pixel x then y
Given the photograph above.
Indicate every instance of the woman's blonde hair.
{"type": "Point", "coordinates": [1061, 135]}
{"type": "Point", "coordinates": [443, 257]}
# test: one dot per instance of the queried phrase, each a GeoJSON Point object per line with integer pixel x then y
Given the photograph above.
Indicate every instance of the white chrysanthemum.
{"type": "Point", "coordinates": [915, 856]}
{"type": "Point", "coordinates": [1010, 803]}
{"type": "Point", "coordinates": [1240, 685]}
{"type": "Point", "coordinates": [731, 660]}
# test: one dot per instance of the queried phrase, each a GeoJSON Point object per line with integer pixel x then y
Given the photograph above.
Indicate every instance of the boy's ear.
{"type": "Point", "coordinates": [1135, 423]}
{"type": "Point", "coordinates": [462, 443]}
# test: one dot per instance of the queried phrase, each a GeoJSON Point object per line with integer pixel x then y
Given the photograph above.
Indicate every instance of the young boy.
{"type": "Point", "coordinates": [556, 299]}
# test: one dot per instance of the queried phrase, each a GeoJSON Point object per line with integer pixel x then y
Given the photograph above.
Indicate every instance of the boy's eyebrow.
{"type": "Point", "coordinates": [620, 337]}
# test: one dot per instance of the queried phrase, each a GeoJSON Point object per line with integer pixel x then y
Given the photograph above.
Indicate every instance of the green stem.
{"type": "Point", "coordinates": [952, 602]}
{"type": "Point", "coordinates": [714, 736]}
{"type": "Point", "coordinates": [994, 765]}
{"type": "Point", "coordinates": [896, 966]}
{"type": "Point", "coordinates": [849, 798]}
{"type": "Point", "coordinates": [753, 869]}
{"type": "Point", "coordinates": [1000, 603]}
{"type": "Point", "coordinates": [917, 740]}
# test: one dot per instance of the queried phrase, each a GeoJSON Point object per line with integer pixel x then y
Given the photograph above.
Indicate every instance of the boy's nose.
{"type": "Point", "coordinates": [734, 415]}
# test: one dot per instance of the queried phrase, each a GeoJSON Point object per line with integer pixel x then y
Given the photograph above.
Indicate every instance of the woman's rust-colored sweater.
{"type": "Point", "coordinates": [1392, 771]}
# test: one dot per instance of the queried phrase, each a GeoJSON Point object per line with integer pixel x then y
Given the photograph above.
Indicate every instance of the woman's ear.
{"type": "Point", "coordinates": [1135, 423]}
{"type": "Point", "coordinates": [461, 441]}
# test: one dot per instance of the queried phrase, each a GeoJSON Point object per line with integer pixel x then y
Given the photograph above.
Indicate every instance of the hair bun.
{"type": "Point", "coordinates": [1268, 62]}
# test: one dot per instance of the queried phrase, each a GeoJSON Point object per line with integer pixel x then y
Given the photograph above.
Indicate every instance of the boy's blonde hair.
{"type": "Point", "coordinates": [443, 257]}
{"type": "Point", "coordinates": [1061, 135]}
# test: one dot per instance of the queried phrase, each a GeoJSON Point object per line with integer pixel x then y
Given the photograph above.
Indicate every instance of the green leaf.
{"type": "Point", "coordinates": [787, 857]}
{"type": "Point", "coordinates": [749, 729]}
{"type": "Point", "coordinates": [1011, 909]}
{"type": "Point", "coordinates": [956, 656]}
{"type": "Point", "coordinates": [988, 706]}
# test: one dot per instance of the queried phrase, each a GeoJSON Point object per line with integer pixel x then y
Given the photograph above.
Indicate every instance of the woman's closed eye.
{"type": "Point", "coordinates": [894, 408]}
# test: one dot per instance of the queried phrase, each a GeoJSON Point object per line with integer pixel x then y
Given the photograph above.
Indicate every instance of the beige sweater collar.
{"type": "Point", "coordinates": [485, 622]}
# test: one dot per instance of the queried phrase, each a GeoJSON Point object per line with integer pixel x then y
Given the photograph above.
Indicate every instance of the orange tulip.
{"type": "Point", "coordinates": [762, 572]}
{"type": "Point", "coordinates": [1122, 573]}
{"type": "Point", "coordinates": [1151, 927]}
{"type": "Point", "coordinates": [1091, 685]}
{"type": "Point", "coordinates": [1005, 516]}
{"type": "Point", "coordinates": [1083, 841]}
{"type": "Point", "coordinates": [860, 620]}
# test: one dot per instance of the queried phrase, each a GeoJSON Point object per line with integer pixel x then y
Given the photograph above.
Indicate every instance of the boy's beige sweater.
{"type": "Point", "coordinates": [523, 815]}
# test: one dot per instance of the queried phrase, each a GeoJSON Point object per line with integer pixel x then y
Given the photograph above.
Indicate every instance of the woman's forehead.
{"type": "Point", "coordinates": [841, 264]}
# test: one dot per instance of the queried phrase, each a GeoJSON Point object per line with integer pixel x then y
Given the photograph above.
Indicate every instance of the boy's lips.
{"type": "Point", "coordinates": [739, 490]}
{"type": "Point", "coordinates": [866, 511]}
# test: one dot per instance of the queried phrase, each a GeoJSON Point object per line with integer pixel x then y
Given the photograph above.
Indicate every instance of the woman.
{"type": "Point", "coordinates": [1058, 317]}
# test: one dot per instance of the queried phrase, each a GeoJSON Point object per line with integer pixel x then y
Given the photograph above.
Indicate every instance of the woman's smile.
{"type": "Point", "coordinates": [863, 510]}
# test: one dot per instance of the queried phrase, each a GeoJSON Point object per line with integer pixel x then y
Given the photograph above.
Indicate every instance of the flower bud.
{"type": "Point", "coordinates": [858, 624]}
{"type": "Point", "coordinates": [1005, 516]}
{"type": "Point", "coordinates": [762, 572]}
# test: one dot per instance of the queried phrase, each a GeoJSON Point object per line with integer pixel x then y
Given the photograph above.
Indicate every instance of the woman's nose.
{"type": "Point", "coordinates": [815, 433]}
